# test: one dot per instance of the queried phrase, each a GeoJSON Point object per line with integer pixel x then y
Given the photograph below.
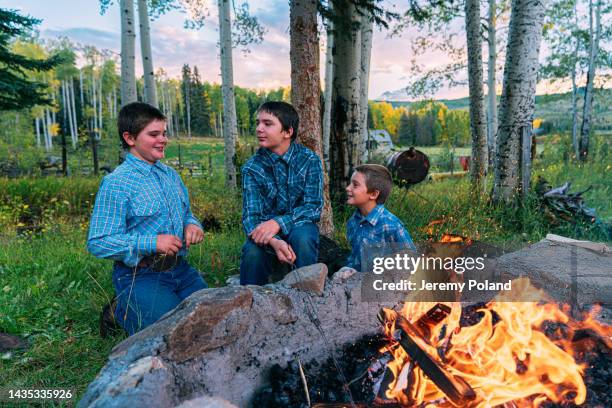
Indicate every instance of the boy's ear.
{"type": "Point", "coordinates": [374, 194]}
{"type": "Point", "coordinates": [290, 132]}
{"type": "Point", "coordinates": [129, 139]}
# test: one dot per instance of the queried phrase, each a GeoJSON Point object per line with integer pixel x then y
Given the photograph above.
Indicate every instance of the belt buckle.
{"type": "Point", "coordinates": [163, 262]}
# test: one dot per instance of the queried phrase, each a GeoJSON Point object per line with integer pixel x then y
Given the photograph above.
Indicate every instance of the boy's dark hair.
{"type": "Point", "coordinates": [286, 114]}
{"type": "Point", "coordinates": [134, 117]}
{"type": "Point", "coordinates": [378, 178]}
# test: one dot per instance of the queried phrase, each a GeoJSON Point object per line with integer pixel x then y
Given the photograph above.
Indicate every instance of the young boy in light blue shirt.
{"type": "Point", "coordinates": [372, 224]}
{"type": "Point", "coordinates": [142, 220]}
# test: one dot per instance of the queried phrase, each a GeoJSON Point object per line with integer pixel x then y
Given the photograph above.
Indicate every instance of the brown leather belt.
{"type": "Point", "coordinates": [158, 263]}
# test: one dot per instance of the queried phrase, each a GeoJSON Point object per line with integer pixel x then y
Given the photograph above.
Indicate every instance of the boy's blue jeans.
{"type": "Point", "coordinates": [147, 294]}
{"type": "Point", "coordinates": [257, 262]}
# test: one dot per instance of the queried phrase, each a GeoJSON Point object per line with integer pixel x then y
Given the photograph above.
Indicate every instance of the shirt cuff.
{"type": "Point", "coordinates": [193, 220]}
{"type": "Point", "coordinates": [146, 244]}
{"type": "Point", "coordinates": [284, 222]}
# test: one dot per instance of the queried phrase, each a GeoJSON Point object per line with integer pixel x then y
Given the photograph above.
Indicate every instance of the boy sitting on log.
{"type": "Point", "coordinates": [282, 187]}
{"type": "Point", "coordinates": [142, 220]}
{"type": "Point", "coordinates": [372, 223]}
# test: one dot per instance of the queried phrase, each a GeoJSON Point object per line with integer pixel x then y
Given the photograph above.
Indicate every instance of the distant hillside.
{"type": "Point", "coordinates": [555, 108]}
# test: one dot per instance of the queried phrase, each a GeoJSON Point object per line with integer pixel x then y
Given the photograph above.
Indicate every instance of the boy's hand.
{"type": "Point", "coordinates": [168, 244]}
{"type": "Point", "coordinates": [283, 250]}
{"type": "Point", "coordinates": [193, 234]}
{"type": "Point", "coordinates": [264, 232]}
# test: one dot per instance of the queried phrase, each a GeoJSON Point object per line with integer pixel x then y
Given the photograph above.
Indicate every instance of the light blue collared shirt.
{"type": "Point", "coordinates": [134, 204]}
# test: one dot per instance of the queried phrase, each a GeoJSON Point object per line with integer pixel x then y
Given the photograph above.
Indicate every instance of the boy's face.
{"type": "Point", "coordinates": [150, 143]}
{"type": "Point", "coordinates": [357, 191]}
{"type": "Point", "coordinates": [271, 135]}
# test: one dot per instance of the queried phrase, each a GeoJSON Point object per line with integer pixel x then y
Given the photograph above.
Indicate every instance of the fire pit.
{"type": "Point", "coordinates": [259, 346]}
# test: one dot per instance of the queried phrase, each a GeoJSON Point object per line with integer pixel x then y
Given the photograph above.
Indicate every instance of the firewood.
{"type": "Point", "coordinates": [455, 388]}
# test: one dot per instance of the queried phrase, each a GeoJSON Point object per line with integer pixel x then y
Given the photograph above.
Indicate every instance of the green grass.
{"type": "Point", "coordinates": [52, 290]}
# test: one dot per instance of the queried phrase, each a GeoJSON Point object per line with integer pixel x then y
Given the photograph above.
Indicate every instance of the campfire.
{"type": "Point", "coordinates": [504, 359]}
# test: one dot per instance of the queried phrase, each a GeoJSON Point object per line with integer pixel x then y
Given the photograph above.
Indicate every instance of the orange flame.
{"type": "Point", "coordinates": [505, 357]}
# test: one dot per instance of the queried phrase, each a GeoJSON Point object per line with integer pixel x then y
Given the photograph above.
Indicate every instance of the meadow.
{"type": "Point", "coordinates": [52, 290]}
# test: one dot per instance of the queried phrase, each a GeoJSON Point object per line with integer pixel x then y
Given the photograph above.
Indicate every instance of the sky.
{"type": "Point", "coordinates": [265, 66]}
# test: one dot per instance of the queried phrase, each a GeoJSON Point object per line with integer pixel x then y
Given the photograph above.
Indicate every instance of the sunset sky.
{"type": "Point", "coordinates": [266, 66]}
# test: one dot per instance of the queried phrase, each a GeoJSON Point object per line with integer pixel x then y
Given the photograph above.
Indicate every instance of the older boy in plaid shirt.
{"type": "Point", "coordinates": [372, 224]}
{"type": "Point", "coordinates": [142, 220]}
{"type": "Point", "coordinates": [282, 188]}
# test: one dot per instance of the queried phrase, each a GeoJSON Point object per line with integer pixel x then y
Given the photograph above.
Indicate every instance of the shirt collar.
{"type": "Point", "coordinates": [143, 166]}
{"type": "Point", "coordinates": [286, 157]}
{"type": "Point", "coordinates": [373, 217]}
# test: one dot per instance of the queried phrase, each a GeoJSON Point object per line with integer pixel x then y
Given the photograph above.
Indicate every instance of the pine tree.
{"type": "Point", "coordinates": [404, 130]}
{"type": "Point", "coordinates": [16, 90]}
{"type": "Point", "coordinates": [200, 106]}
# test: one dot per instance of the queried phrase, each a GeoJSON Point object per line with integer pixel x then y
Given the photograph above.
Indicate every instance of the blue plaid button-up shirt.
{"type": "Point", "coordinates": [134, 204]}
{"type": "Point", "coordinates": [287, 188]}
{"type": "Point", "coordinates": [378, 227]}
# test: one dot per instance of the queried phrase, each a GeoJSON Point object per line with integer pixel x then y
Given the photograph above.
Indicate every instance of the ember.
{"type": "Point", "coordinates": [503, 353]}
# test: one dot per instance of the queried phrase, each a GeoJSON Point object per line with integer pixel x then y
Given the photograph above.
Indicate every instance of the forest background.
{"type": "Point", "coordinates": [57, 141]}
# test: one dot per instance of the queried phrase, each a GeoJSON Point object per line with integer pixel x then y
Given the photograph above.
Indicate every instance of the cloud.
{"type": "Point", "coordinates": [87, 36]}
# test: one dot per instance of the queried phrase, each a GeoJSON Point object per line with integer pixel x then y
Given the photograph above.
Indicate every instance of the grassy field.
{"type": "Point", "coordinates": [52, 290]}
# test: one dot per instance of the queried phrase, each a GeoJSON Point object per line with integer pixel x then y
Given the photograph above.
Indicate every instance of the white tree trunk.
{"type": "Point", "coordinates": [75, 136]}
{"type": "Point", "coordinates": [37, 121]}
{"type": "Point", "coordinates": [478, 167]}
{"type": "Point", "coordinates": [364, 82]}
{"type": "Point", "coordinates": [575, 143]}
{"type": "Point", "coordinates": [594, 36]}
{"type": "Point", "coordinates": [346, 118]}
{"type": "Point", "coordinates": [518, 95]}
{"type": "Point", "coordinates": [230, 127]}
{"type": "Point", "coordinates": [94, 102]}
{"type": "Point", "coordinates": [327, 96]}
{"type": "Point", "coordinates": [48, 130]}
{"type": "Point", "coordinates": [100, 99]}
{"type": "Point", "coordinates": [81, 89]}
{"type": "Point", "coordinates": [128, 53]}
{"type": "Point", "coordinates": [491, 80]}
{"type": "Point", "coordinates": [147, 55]}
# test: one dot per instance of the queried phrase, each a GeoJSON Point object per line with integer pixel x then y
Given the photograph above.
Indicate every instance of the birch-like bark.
{"type": "Point", "coordinates": [364, 82]}
{"type": "Point", "coordinates": [518, 95]}
{"type": "Point", "coordinates": [100, 99]}
{"type": "Point", "coordinates": [306, 88]}
{"type": "Point", "coordinates": [327, 95]}
{"type": "Point", "coordinates": [346, 120]}
{"type": "Point", "coordinates": [594, 35]}
{"type": "Point", "coordinates": [75, 136]}
{"type": "Point", "coordinates": [575, 143]}
{"type": "Point", "coordinates": [478, 167]}
{"type": "Point", "coordinates": [491, 80]}
{"type": "Point", "coordinates": [94, 103]}
{"type": "Point", "coordinates": [81, 89]}
{"type": "Point", "coordinates": [128, 52]}
{"type": "Point", "coordinates": [68, 109]}
{"type": "Point", "coordinates": [147, 56]}
{"type": "Point", "coordinates": [37, 121]}
{"type": "Point", "coordinates": [230, 126]}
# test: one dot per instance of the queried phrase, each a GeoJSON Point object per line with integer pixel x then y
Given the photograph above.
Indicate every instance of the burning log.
{"type": "Point", "coordinates": [455, 388]}
{"type": "Point", "coordinates": [410, 167]}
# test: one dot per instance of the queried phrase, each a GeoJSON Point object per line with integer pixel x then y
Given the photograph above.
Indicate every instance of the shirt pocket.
{"type": "Point", "coordinates": [147, 208]}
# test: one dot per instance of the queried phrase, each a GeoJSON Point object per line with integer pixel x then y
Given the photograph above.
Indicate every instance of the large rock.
{"type": "Point", "coordinates": [222, 341]}
{"type": "Point", "coordinates": [308, 278]}
{"type": "Point", "coordinates": [565, 271]}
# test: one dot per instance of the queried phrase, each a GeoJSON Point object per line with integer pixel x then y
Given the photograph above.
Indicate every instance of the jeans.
{"type": "Point", "coordinates": [146, 295]}
{"type": "Point", "coordinates": [257, 262]}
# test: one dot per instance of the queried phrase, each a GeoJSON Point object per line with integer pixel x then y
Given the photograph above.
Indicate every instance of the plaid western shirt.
{"type": "Point", "coordinates": [134, 204]}
{"type": "Point", "coordinates": [287, 188]}
{"type": "Point", "coordinates": [378, 227]}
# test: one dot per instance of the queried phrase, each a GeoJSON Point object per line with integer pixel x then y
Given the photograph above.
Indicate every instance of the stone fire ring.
{"type": "Point", "coordinates": [214, 349]}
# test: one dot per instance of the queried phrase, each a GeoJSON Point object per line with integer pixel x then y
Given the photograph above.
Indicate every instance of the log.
{"type": "Point", "coordinates": [408, 167]}
{"type": "Point", "coordinates": [455, 388]}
